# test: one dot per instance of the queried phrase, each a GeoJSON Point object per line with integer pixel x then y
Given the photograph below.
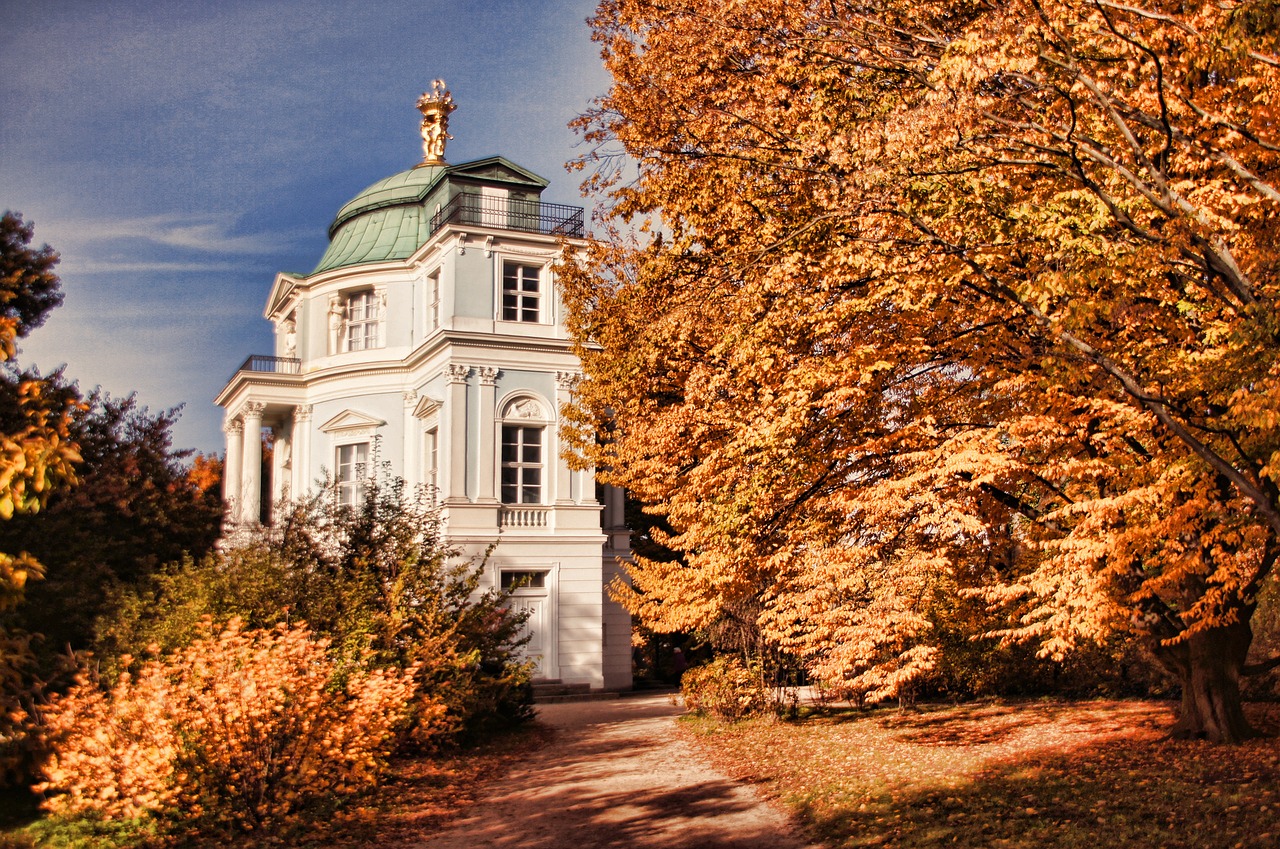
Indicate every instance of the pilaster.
{"type": "Point", "coordinates": [566, 383]}
{"type": "Point", "coordinates": [488, 433]}
{"type": "Point", "coordinates": [454, 473]}
{"type": "Point", "coordinates": [301, 448]}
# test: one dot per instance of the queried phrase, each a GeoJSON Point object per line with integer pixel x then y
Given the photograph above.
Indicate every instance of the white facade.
{"type": "Point", "coordinates": [431, 333]}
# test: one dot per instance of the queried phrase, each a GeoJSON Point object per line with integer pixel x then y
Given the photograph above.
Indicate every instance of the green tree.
{"type": "Point", "coordinates": [373, 579]}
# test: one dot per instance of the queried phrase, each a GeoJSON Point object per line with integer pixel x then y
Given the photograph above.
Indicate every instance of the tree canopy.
{"type": "Point", "coordinates": [37, 455]}
{"type": "Point", "coordinates": [905, 300]}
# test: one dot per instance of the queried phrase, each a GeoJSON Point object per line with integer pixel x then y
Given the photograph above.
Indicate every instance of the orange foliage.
{"type": "Point", "coordinates": [240, 726]}
{"type": "Point", "coordinates": [919, 298]}
{"type": "Point", "coordinates": [205, 472]}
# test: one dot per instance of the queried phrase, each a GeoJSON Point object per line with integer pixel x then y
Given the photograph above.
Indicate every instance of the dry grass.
{"type": "Point", "coordinates": [1049, 775]}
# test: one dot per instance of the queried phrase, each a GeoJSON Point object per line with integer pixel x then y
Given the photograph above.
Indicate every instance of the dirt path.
{"type": "Point", "coordinates": [616, 775]}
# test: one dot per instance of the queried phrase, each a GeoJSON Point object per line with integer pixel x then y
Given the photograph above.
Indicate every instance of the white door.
{"type": "Point", "coordinates": [536, 628]}
{"type": "Point", "coordinates": [531, 592]}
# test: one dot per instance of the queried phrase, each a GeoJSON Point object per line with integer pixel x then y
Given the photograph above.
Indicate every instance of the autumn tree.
{"type": "Point", "coordinates": [36, 454]}
{"type": "Point", "coordinates": [908, 299]}
{"type": "Point", "coordinates": [139, 504]}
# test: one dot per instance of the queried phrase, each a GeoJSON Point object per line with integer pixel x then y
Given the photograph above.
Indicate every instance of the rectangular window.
{"type": "Point", "coordinates": [433, 302]}
{"type": "Point", "coordinates": [521, 464]}
{"type": "Point", "coordinates": [431, 465]}
{"type": "Point", "coordinates": [531, 580]}
{"type": "Point", "coordinates": [351, 472]}
{"type": "Point", "coordinates": [364, 321]}
{"type": "Point", "coordinates": [521, 292]}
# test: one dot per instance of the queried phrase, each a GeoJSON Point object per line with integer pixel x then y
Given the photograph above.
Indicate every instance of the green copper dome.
{"type": "Point", "coordinates": [388, 220]}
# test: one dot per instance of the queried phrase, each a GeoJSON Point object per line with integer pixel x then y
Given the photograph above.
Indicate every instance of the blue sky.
{"type": "Point", "coordinates": [179, 155]}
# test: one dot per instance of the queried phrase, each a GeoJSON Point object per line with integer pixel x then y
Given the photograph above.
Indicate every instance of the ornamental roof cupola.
{"type": "Point", "coordinates": [395, 216]}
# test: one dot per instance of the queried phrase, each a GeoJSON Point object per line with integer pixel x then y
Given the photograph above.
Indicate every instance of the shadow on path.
{"type": "Point", "coordinates": [614, 774]}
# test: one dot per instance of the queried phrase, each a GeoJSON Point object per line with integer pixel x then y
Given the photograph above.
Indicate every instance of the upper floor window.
{"type": "Point", "coordinates": [350, 474]}
{"type": "Point", "coordinates": [521, 292]}
{"type": "Point", "coordinates": [433, 301]}
{"type": "Point", "coordinates": [363, 321]}
{"type": "Point", "coordinates": [521, 464]}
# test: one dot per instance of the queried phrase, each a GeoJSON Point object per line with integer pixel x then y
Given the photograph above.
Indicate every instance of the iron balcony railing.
{"type": "Point", "coordinates": [271, 365]}
{"type": "Point", "coordinates": [531, 216]}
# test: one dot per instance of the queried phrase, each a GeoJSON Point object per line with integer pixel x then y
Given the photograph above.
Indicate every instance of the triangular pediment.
{"type": "Point", "coordinates": [282, 290]}
{"type": "Point", "coordinates": [427, 407]}
{"type": "Point", "coordinates": [498, 169]}
{"type": "Point", "coordinates": [351, 420]}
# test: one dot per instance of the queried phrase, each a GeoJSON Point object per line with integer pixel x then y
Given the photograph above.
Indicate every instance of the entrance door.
{"type": "Point", "coordinates": [530, 592]}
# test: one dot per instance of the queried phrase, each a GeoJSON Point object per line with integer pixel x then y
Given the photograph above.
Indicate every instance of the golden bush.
{"type": "Point", "coordinates": [241, 726]}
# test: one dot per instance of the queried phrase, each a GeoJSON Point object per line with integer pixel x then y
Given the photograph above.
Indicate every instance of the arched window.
{"type": "Point", "coordinates": [522, 453]}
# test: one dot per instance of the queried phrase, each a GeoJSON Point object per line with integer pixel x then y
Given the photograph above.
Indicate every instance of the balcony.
{"type": "Point", "coordinates": [523, 518]}
{"type": "Point", "coordinates": [530, 216]}
{"type": "Point", "coordinates": [264, 364]}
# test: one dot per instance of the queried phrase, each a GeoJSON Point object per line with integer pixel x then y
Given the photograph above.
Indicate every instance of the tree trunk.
{"type": "Point", "coordinates": [1208, 666]}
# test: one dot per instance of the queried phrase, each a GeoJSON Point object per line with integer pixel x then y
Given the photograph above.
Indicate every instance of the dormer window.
{"type": "Point", "coordinates": [521, 292]}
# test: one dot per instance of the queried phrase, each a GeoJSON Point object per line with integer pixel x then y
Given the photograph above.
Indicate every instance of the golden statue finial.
{"type": "Point", "coordinates": [435, 107]}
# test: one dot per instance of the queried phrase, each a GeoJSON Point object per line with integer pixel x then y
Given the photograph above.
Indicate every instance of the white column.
{"type": "Point", "coordinates": [281, 464]}
{"type": "Point", "coordinates": [251, 474]}
{"type": "Point", "coordinates": [566, 381]}
{"type": "Point", "coordinates": [234, 429]}
{"type": "Point", "coordinates": [488, 427]}
{"type": "Point", "coordinates": [454, 473]}
{"type": "Point", "coordinates": [301, 450]}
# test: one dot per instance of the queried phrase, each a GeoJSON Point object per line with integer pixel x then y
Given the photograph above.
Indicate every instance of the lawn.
{"type": "Point", "coordinates": [1049, 775]}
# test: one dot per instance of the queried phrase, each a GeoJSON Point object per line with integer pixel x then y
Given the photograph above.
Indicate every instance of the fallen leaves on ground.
{"type": "Point", "coordinates": [1049, 775]}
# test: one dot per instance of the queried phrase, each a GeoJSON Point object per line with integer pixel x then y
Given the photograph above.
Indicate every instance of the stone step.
{"type": "Point", "coordinates": [559, 688]}
{"type": "Point", "coordinates": [547, 691]}
{"type": "Point", "coordinates": [592, 696]}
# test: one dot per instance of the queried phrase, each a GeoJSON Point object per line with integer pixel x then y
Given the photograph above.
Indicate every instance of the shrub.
{"type": "Point", "coordinates": [241, 727]}
{"type": "Point", "coordinates": [726, 688]}
{"type": "Point", "coordinates": [376, 581]}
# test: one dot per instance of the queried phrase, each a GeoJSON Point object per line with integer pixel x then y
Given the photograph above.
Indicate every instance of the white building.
{"type": "Point", "coordinates": [432, 327]}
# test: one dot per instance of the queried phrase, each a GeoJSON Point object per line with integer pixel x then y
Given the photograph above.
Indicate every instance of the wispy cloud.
{"type": "Point", "coordinates": [73, 265]}
{"type": "Point", "coordinates": [210, 233]}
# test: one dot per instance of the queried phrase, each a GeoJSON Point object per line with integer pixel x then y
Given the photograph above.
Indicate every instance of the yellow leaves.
{"type": "Point", "coordinates": [245, 725]}
{"type": "Point", "coordinates": [885, 346]}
